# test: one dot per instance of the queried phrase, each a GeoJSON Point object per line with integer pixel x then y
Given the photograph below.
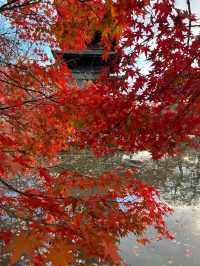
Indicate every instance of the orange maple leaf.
{"type": "Point", "coordinates": [111, 250]}
{"type": "Point", "coordinates": [60, 253]}
{"type": "Point", "coordinates": [24, 244]}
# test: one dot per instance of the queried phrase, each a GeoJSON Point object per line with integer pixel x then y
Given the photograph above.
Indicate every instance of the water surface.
{"type": "Point", "coordinates": [178, 179]}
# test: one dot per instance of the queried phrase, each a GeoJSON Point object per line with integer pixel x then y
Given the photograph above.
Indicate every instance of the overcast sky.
{"type": "Point", "coordinates": [195, 7]}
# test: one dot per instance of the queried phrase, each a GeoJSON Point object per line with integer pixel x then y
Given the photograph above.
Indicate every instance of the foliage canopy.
{"type": "Point", "coordinates": [68, 218]}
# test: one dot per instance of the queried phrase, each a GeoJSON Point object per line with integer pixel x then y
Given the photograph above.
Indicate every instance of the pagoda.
{"type": "Point", "coordinates": [87, 64]}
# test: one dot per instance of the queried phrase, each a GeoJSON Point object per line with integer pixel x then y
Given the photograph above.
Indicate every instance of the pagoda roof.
{"type": "Point", "coordinates": [87, 57]}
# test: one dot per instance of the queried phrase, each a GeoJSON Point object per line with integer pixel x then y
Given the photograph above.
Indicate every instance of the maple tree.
{"type": "Point", "coordinates": [80, 216]}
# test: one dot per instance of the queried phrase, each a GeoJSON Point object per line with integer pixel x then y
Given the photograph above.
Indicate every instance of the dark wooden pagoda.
{"type": "Point", "coordinates": [87, 64]}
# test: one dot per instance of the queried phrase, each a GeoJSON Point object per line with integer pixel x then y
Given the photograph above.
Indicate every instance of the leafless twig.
{"type": "Point", "coordinates": [190, 22]}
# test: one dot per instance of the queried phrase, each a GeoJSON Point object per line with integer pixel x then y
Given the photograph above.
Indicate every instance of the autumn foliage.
{"type": "Point", "coordinates": [68, 218]}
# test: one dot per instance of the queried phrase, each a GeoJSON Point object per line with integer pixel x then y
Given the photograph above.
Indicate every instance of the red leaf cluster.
{"type": "Point", "coordinates": [44, 112]}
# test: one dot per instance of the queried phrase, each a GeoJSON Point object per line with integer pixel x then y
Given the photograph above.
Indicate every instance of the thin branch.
{"type": "Point", "coordinates": [29, 219]}
{"type": "Point", "coordinates": [38, 196]}
{"type": "Point", "coordinates": [50, 97]}
{"type": "Point", "coordinates": [8, 6]}
{"type": "Point", "coordinates": [21, 104]}
{"type": "Point", "coordinates": [10, 187]}
{"type": "Point", "coordinates": [190, 22]}
{"type": "Point", "coordinates": [177, 75]}
{"type": "Point", "coordinates": [196, 25]}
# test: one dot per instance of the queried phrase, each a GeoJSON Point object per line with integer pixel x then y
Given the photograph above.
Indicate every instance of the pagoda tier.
{"type": "Point", "coordinates": [86, 64]}
{"type": "Point", "coordinates": [87, 58]}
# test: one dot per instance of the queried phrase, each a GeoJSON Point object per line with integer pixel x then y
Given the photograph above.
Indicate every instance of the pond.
{"type": "Point", "coordinates": [178, 180]}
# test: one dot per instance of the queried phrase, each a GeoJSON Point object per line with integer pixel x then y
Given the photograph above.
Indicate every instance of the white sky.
{"type": "Point", "coordinates": [195, 7]}
{"type": "Point", "coordinates": [182, 4]}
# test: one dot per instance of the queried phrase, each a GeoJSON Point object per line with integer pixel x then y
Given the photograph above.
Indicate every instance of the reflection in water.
{"type": "Point", "coordinates": [182, 251]}
{"type": "Point", "coordinates": [178, 180]}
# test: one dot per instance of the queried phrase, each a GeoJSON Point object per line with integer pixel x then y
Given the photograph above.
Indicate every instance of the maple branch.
{"type": "Point", "coordinates": [187, 107]}
{"type": "Point", "coordinates": [50, 97]}
{"type": "Point", "coordinates": [11, 187]}
{"type": "Point", "coordinates": [4, 6]}
{"type": "Point", "coordinates": [17, 106]}
{"type": "Point", "coordinates": [191, 26]}
{"type": "Point", "coordinates": [190, 22]}
{"type": "Point", "coordinates": [172, 80]}
{"type": "Point", "coordinates": [70, 198]}
{"type": "Point", "coordinates": [196, 25]}
{"type": "Point", "coordinates": [29, 219]}
{"type": "Point", "coordinates": [84, 1]}
{"type": "Point", "coordinates": [9, 5]}
{"type": "Point", "coordinates": [24, 71]}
